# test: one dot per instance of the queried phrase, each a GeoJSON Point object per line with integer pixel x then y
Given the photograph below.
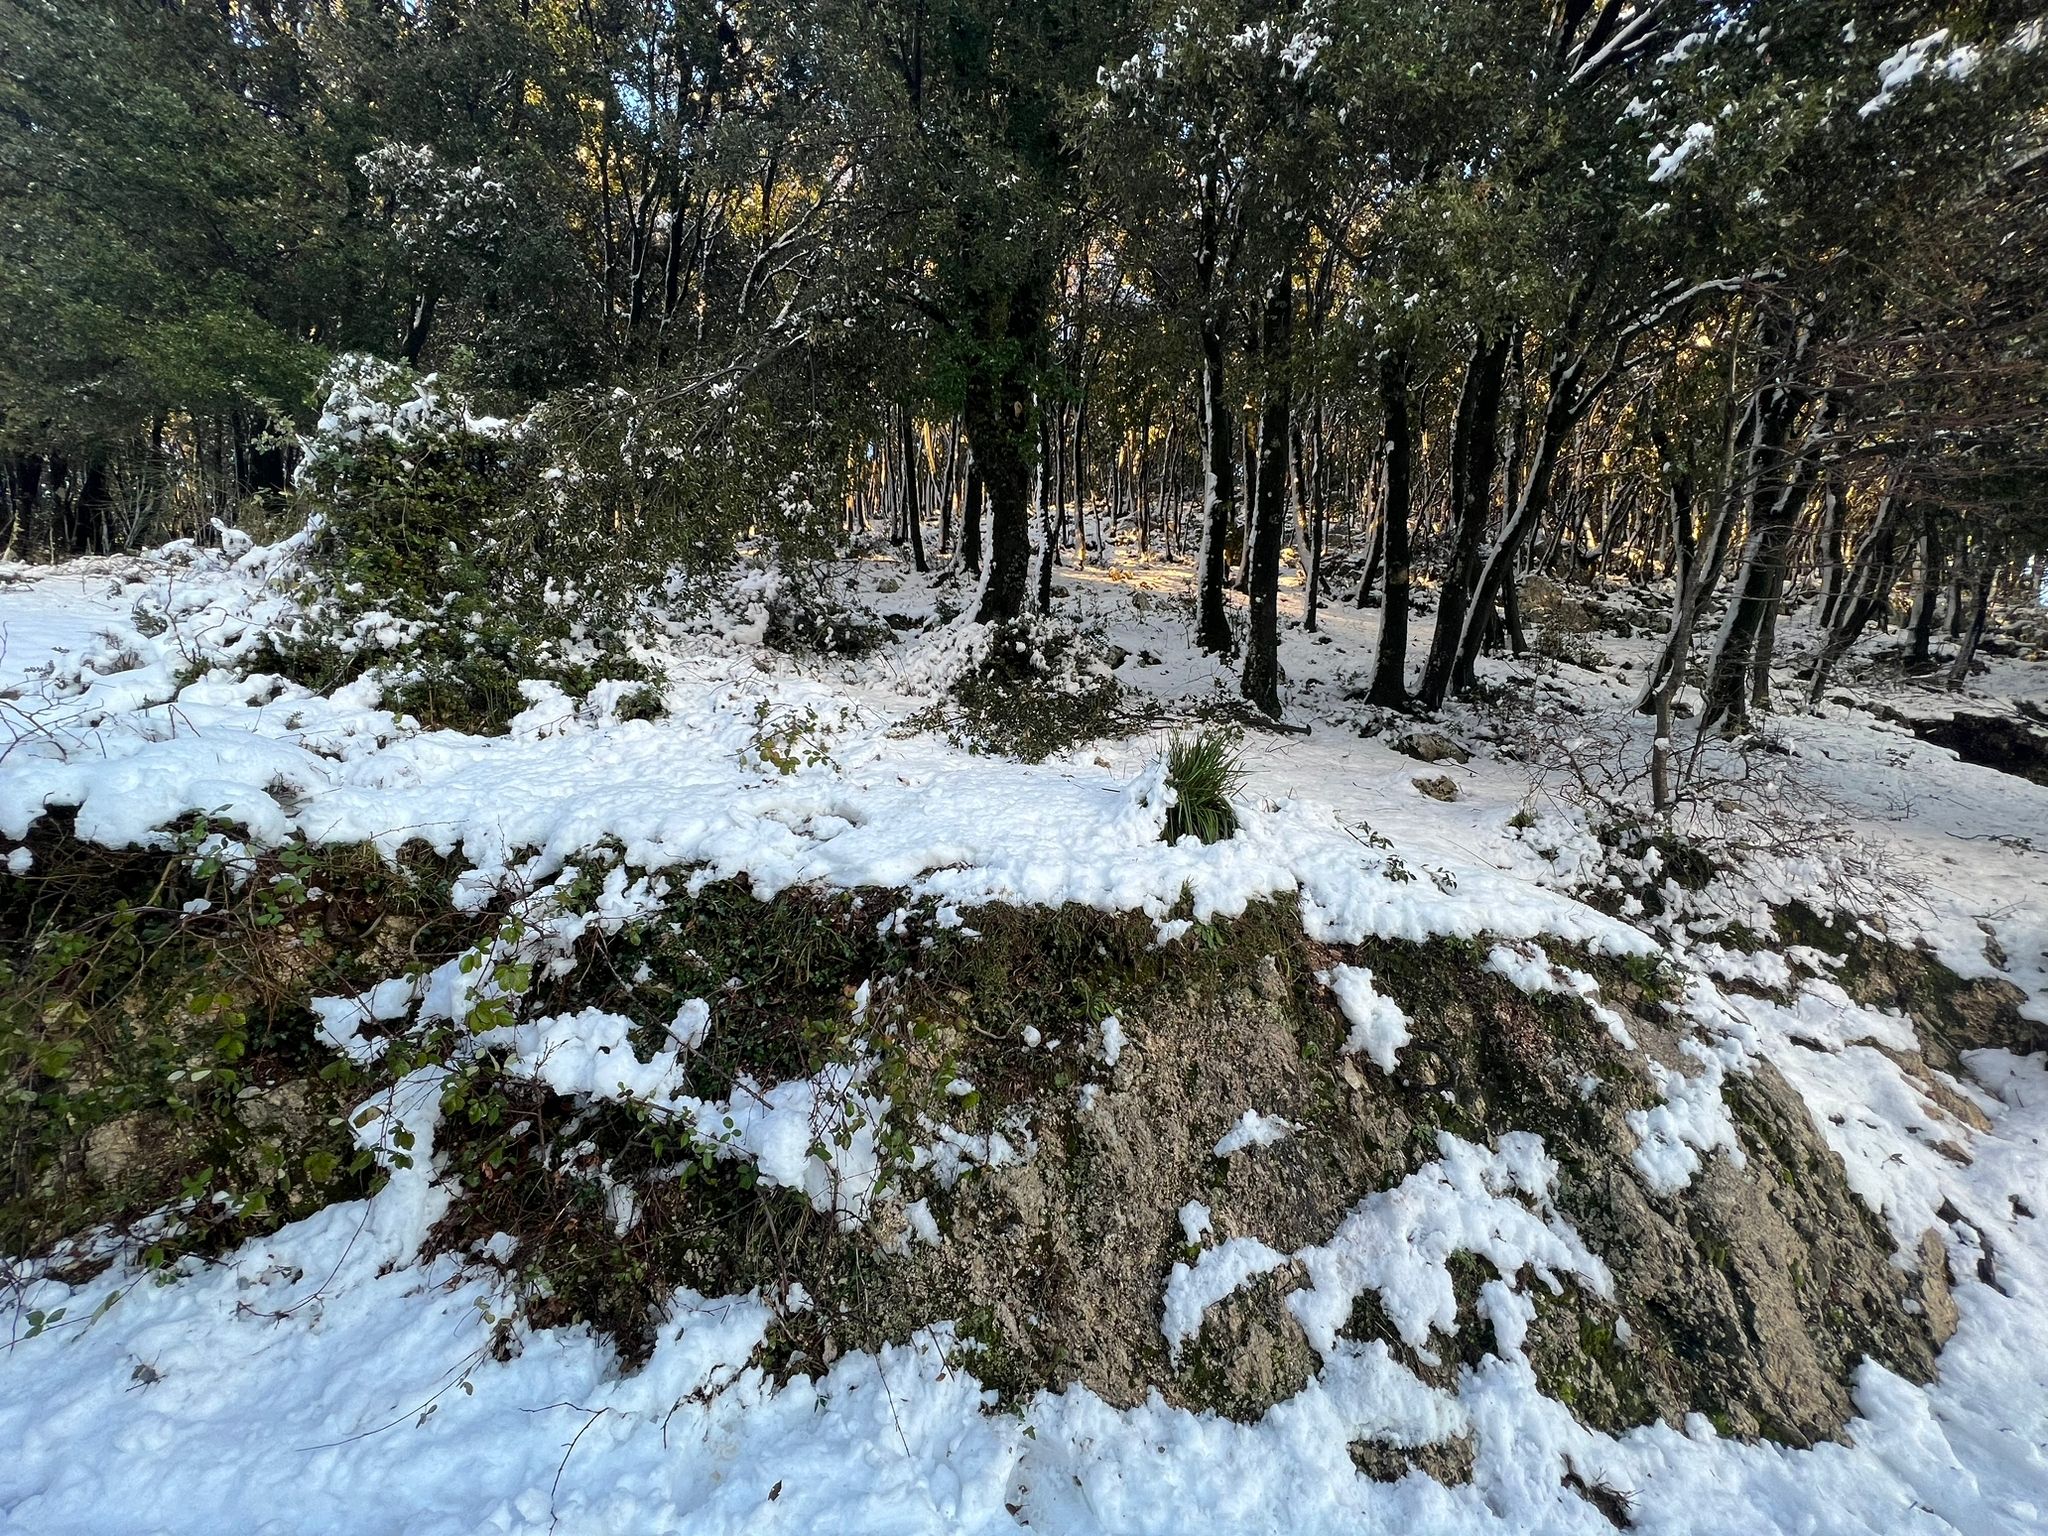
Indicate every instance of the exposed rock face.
{"type": "Point", "coordinates": [1750, 1296]}
{"type": "Point", "coordinates": [2004, 742]}
{"type": "Point", "coordinates": [1951, 1015]}
{"type": "Point", "coordinates": [1761, 1287]}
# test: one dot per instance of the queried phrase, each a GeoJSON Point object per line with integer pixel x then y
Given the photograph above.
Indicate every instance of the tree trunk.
{"type": "Point", "coordinates": [1375, 556]}
{"type": "Point", "coordinates": [1866, 587]}
{"type": "Point", "coordinates": [1928, 598]}
{"type": "Point", "coordinates": [1219, 496]}
{"type": "Point", "coordinates": [1080, 481]}
{"type": "Point", "coordinates": [1834, 510]}
{"type": "Point", "coordinates": [418, 327]}
{"type": "Point", "coordinates": [1475, 450]}
{"type": "Point", "coordinates": [1250, 447]}
{"type": "Point", "coordinates": [1766, 641]}
{"type": "Point", "coordinates": [970, 518]}
{"type": "Point", "coordinates": [952, 486]}
{"type": "Point", "coordinates": [1781, 479]}
{"type": "Point", "coordinates": [1261, 681]}
{"type": "Point", "coordinates": [1318, 513]}
{"type": "Point", "coordinates": [1048, 535]}
{"type": "Point", "coordinates": [1980, 609]}
{"type": "Point", "coordinates": [1001, 432]}
{"type": "Point", "coordinates": [913, 512]}
{"type": "Point", "coordinates": [1390, 667]}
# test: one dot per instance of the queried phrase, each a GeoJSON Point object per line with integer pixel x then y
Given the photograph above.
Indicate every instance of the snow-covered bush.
{"type": "Point", "coordinates": [448, 558]}
{"type": "Point", "coordinates": [805, 616]}
{"type": "Point", "coordinates": [1032, 687]}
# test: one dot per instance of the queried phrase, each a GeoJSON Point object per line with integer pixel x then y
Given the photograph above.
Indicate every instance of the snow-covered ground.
{"type": "Point", "coordinates": [329, 1379]}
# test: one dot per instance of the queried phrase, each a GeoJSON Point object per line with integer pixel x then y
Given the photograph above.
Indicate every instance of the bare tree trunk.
{"type": "Point", "coordinates": [1048, 535]}
{"type": "Point", "coordinates": [1928, 597]}
{"type": "Point", "coordinates": [1786, 476]}
{"type": "Point", "coordinates": [1261, 681]}
{"type": "Point", "coordinates": [1834, 508]}
{"type": "Point", "coordinates": [970, 518]}
{"type": "Point", "coordinates": [952, 485]}
{"type": "Point", "coordinates": [1080, 483]}
{"type": "Point", "coordinates": [1318, 511]}
{"type": "Point", "coordinates": [1475, 450]}
{"type": "Point", "coordinates": [1864, 592]}
{"type": "Point", "coordinates": [1983, 579]}
{"type": "Point", "coordinates": [1219, 496]}
{"type": "Point", "coordinates": [1000, 425]}
{"type": "Point", "coordinates": [913, 512]}
{"type": "Point", "coordinates": [1390, 667]}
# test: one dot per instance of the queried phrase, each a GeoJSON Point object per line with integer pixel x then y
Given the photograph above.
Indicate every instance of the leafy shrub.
{"type": "Point", "coordinates": [1036, 687]}
{"type": "Point", "coordinates": [156, 1048]}
{"type": "Point", "coordinates": [1204, 774]}
{"type": "Point", "coordinates": [804, 619]}
{"type": "Point", "coordinates": [447, 559]}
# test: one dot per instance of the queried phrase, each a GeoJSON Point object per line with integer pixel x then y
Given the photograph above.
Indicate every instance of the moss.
{"type": "Point", "coordinates": [1576, 1351]}
{"type": "Point", "coordinates": [156, 1036]}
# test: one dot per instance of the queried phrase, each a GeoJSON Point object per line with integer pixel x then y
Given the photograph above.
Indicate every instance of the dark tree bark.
{"type": "Point", "coordinates": [1834, 509]}
{"type": "Point", "coordinates": [93, 517]}
{"type": "Point", "coordinates": [419, 326]}
{"type": "Point", "coordinates": [1250, 449]}
{"type": "Point", "coordinates": [1782, 476]}
{"type": "Point", "coordinates": [1080, 483]}
{"type": "Point", "coordinates": [1317, 504]}
{"type": "Point", "coordinates": [1865, 590]}
{"type": "Point", "coordinates": [1219, 495]}
{"type": "Point", "coordinates": [1390, 667]}
{"type": "Point", "coordinates": [913, 513]}
{"type": "Point", "coordinates": [1002, 432]}
{"type": "Point", "coordinates": [1475, 452]}
{"type": "Point", "coordinates": [1048, 535]}
{"type": "Point", "coordinates": [970, 518]}
{"type": "Point", "coordinates": [1261, 680]}
{"type": "Point", "coordinates": [1928, 598]}
{"type": "Point", "coordinates": [1374, 559]}
{"type": "Point", "coordinates": [1983, 579]}
{"type": "Point", "coordinates": [952, 484]}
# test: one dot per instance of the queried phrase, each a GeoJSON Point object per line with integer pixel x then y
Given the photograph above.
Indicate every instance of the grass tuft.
{"type": "Point", "coordinates": [1204, 773]}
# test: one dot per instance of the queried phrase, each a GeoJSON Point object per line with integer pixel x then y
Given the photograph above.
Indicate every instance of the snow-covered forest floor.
{"type": "Point", "coordinates": [343, 1373]}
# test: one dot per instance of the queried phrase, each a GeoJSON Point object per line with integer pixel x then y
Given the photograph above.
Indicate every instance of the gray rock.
{"type": "Point", "coordinates": [1431, 747]}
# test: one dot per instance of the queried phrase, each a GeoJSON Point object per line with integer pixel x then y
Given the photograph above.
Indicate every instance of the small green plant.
{"type": "Point", "coordinates": [1204, 774]}
{"type": "Point", "coordinates": [788, 740]}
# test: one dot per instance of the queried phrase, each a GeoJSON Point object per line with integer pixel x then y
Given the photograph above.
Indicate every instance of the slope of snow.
{"type": "Point", "coordinates": [328, 1379]}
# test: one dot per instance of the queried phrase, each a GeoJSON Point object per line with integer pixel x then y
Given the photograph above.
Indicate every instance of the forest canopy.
{"type": "Point", "coordinates": [1735, 294]}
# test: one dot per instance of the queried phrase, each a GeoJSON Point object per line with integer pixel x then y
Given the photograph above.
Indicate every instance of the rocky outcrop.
{"type": "Point", "coordinates": [1750, 1296]}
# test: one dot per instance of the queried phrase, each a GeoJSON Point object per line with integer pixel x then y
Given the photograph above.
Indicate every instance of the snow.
{"type": "Point", "coordinates": [330, 1378]}
{"type": "Point", "coordinates": [1396, 1243]}
{"type": "Point", "coordinates": [1666, 161]}
{"type": "Point", "coordinates": [1378, 1026]}
{"type": "Point", "coordinates": [692, 1024]}
{"type": "Point", "coordinates": [1254, 1130]}
{"type": "Point", "coordinates": [1220, 1271]}
{"type": "Point", "coordinates": [1918, 58]}
{"type": "Point", "coordinates": [1113, 1040]}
